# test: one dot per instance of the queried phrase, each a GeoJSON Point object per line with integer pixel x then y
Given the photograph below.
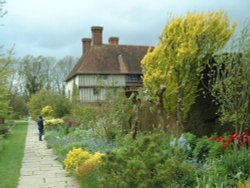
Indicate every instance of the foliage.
{"type": "Point", "coordinates": [47, 111]}
{"type": "Point", "coordinates": [81, 162]}
{"type": "Point", "coordinates": [236, 162]}
{"type": "Point", "coordinates": [148, 161]}
{"type": "Point", "coordinates": [50, 123]}
{"type": "Point", "coordinates": [4, 102]}
{"type": "Point", "coordinates": [60, 70]}
{"type": "Point", "coordinates": [244, 184]}
{"type": "Point", "coordinates": [214, 178]}
{"type": "Point", "coordinates": [231, 84]}
{"type": "Point", "coordinates": [229, 141]}
{"type": "Point", "coordinates": [18, 106]}
{"type": "Point", "coordinates": [62, 139]}
{"type": "Point", "coordinates": [176, 64]}
{"type": "Point", "coordinates": [89, 165]}
{"type": "Point", "coordinates": [75, 94]}
{"type": "Point", "coordinates": [6, 129]}
{"type": "Point", "coordinates": [5, 63]}
{"type": "Point", "coordinates": [59, 103]}
{"type": "Point", "coordinates": [201, 150]}
{"type": "Point", "coordinates": [35, 73]}
{"type": "Point", "coordinates": [191, 142]}
{"type": "Point", "coordinates": [233, 167]}
{"type": "Point", "coordinates": [215, 147]}
{"type": "Point", "coordinates": [115, 116]}
{"type": "Point", "coordinates": [2, 12]}
{"type": "Point", "coordinates": [74, 158]}
{"type": "Point", "coordinates": [83, 114]}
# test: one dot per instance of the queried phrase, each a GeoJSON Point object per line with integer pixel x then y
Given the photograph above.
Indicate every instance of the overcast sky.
{"type": "Point", "coordinates": [55, 27]}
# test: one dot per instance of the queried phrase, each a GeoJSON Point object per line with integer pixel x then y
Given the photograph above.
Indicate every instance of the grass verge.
{"type": "Point", "coordinates": [11, 156]}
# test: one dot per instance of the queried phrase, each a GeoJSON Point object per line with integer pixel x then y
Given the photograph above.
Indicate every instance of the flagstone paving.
{"type": "Point", "coordinates": [40, 169]}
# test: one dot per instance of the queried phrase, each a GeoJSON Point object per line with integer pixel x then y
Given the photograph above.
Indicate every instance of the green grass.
{"type": "Point", "coordinates": [11, 156]}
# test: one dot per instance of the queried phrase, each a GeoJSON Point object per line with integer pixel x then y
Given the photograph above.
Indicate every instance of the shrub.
{"type": "Point", "coordinates": [201, 150]}
{"type": "Point", "coordinates": [236, 162]}
{"type": "Point", "coordinates": [59, 103]}
{"type": "Point", "coordinates": [89, 165]}
{"type": "Point", "coordinates": [47, 111]}
{"type": "Point", "coordinates": [148, 161]}
{"type": "Point", "coordinates": [84, 115]}
{"type": "Point", "coordinates": [115, 117]}
{"type": "Point", "coordinates": [190, 143]}
{"type": "Point", "coordinates": [74, 158]}
{"type": "Point", "coordinates": [81, 162]}
{"type": "Point", "coordinates": [233, 167]}
{"type": "Point", "coordinates": [50, 123]}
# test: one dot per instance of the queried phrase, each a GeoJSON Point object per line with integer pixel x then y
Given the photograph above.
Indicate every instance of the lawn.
{"type": "Point", "coordinates": [11, 156]}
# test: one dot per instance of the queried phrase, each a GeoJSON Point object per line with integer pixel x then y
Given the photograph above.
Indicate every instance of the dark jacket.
{"type": "Point", "coordinates": [40, 124]}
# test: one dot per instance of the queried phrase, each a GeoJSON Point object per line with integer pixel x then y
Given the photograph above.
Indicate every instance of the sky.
{"type": "Point", "coordinates": [55, 27]}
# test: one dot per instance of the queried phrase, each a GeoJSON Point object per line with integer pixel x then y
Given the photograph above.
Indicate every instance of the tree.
{"type": "Point", "coordinates": [36, 73]}
{"type": "Point", "coordinates": [60, 71]}
{"type": "Point", "coordinates": [172, 71]}
{"type": "Point", "coordinates": [2, 11]}
{"type": "Point", "coordinates": [4, 72]}
{"type": "Point", "coordinates": [230, 79]}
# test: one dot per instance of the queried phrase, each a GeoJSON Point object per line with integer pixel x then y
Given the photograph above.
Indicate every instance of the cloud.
{"type": "Point", "coordinates": [55, 28]}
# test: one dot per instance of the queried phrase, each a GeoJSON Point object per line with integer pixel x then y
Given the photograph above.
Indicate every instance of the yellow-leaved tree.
{"type": "Point", "coordinates": [173, 69]}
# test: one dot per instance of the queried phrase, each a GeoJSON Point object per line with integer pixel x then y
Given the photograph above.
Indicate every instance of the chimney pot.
{"type": "Point", "coordinates": [113, 40]}
{"type": "Point", "coordinates": [86, 42]}
{"type": "Point", "coordinates": [96, 35]}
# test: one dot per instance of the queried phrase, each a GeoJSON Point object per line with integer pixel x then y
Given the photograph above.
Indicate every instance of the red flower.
{"type": "Point", "coordinates": [218, 139]}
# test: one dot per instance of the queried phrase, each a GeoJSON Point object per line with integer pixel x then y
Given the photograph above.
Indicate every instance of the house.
{"type": "Point", "coordinates": [105, 67]}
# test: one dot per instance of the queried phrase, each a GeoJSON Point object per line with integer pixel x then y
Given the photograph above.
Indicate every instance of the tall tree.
{"type": "Point", "coordinates": [230, 78]}
{"type": "Point", "coordinates": [4, 72]}
{"type": "Point", "coordinates": [36, 73]}
{"type": "Point", "coordinates": [2, 11]}
{"type": "Point", "coordinates": [172, 71]}
{"type": "Point", "coordinates": [61, 71]}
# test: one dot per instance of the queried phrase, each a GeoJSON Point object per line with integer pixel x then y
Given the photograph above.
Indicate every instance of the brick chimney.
{"type": "Point", "coordinates": [86, 42]}
{"type": "Point", "coordinates": [113, 40]}
{"type": "Point", "coordinates": [96, 35]}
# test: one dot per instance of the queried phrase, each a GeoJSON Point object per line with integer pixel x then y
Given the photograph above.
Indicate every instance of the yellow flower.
{"type": "Point", "coordinates": [74, 158]}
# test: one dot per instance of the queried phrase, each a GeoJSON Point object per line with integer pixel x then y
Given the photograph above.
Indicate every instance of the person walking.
{"type": "Point", "coordinates": [40, 127]}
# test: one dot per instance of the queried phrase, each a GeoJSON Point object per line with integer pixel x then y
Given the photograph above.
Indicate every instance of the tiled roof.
{"type": "Point", "coordinates": [110, 59]}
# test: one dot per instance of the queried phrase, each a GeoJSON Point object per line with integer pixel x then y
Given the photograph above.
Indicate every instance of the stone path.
{"type": "Point", "coordinates": [40, 168]}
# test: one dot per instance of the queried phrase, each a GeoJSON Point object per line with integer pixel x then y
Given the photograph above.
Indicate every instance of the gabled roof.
{"type": "Point", "coordinates": [110, 59]}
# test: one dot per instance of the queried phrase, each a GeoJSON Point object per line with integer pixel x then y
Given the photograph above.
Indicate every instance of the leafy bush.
{"type": "Point", "coordinates": [47, 111]}
{"type": "Point", "coordinates": [201, 150]}
{"type": "Point", "coordinates": [213, 177]}
{"type": "Point", "coordinates": [115, 116]}
{"type": "Point", "coordinates": [148, 161]}
{"type": "Point", "coordinates": [63, 139]}
{"type": "Point", "coordinates": [190, 143]}
{"type": "Point", "coordinates": [5, 129]}
{"type": "Point", "coordinates": [74, 158]}
{"type": "Point", "coordinates": [237, 162]}
{"type": "Point", "coordinates": [81, 162]}
{"type": "Point", "coordinates": [59, 103]}
{"type": "Point", "coordinates": [83, 114]}
{"type": "Point", "coordinates": [233, 167]}
{"type": "Point", "coordinates": [53, 122]}
{"type": "Point", "coordinates": [89, 165]}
